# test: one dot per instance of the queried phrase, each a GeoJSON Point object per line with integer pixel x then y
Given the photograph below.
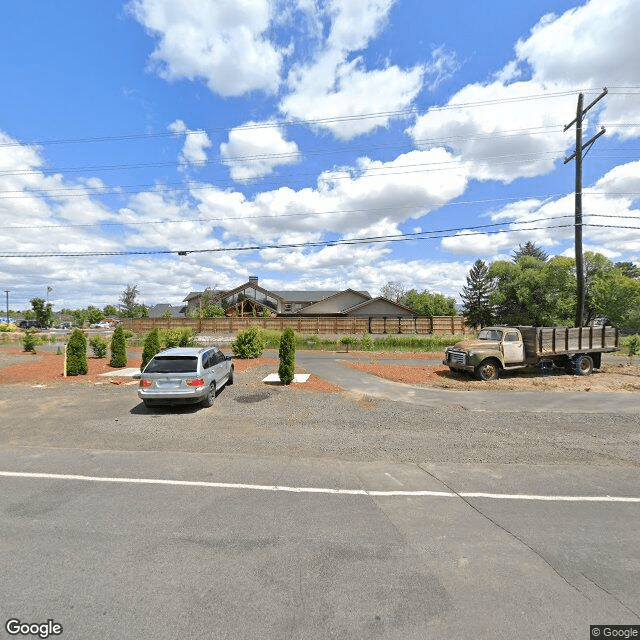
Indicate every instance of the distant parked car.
{"type": "Point", "coordinates": [29, 324]}
{"type": "Point", "coordinates": [101, 325]}
{"type": "Point", "coordinates": [65, 325]}
{"type": "Point", "coordinates": [185, 375]}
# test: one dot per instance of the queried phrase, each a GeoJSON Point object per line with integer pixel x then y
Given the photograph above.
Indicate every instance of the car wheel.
{"type": "Point", "coordinates": [487, 370]}
{"type": "Point", "coordinates": [211, 396]}
{"type": "Point", "coordinates": [230, 378]}
{"type": "Point", "coordinates": [149, 404]}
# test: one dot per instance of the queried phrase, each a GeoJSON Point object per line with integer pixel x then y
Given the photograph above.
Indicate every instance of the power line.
{"type": "Point", "coordinates": [422, 235]}
{"type": "Point", "coordinates": [312, 121]}
{"type": "Point", "coordinates": [307, 214]}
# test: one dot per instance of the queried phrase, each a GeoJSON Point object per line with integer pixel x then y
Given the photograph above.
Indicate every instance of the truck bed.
{"type": "Point", "coordinates": [549, 341]}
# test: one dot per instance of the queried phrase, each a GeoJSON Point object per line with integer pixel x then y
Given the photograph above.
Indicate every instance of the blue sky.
{"type": "Point", "coordinates": [279, 138]}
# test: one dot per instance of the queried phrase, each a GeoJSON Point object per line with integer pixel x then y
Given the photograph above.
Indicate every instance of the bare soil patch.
{"type": "Point", "coordinates": [46, 368]}
{"type": "Point", "coordinates": [312, 384]}
{"type": "Point", "coordinates": [615, 376]}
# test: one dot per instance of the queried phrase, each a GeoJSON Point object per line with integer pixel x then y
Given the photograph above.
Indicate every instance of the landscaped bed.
{"type": "Point", "coordinates": [617, 374]}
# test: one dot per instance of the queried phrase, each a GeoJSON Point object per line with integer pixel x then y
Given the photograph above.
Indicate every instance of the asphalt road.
{"type": "Point", "coordinates": [304, 515]}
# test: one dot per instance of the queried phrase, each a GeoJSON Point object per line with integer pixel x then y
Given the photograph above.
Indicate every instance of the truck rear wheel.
{"type": "Point", "coordinates": [488, 370]}
{"type": "Point", "coordinates": [584, 365]}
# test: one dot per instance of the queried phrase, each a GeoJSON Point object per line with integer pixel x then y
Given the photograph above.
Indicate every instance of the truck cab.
{"type": "Point", "coordinates": [494, 349]}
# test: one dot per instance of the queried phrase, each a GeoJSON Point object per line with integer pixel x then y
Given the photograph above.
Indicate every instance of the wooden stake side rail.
{"type": "Point", "coordinates": [547, 341]}
{"type": "Point", "coordinates": [340, 325]}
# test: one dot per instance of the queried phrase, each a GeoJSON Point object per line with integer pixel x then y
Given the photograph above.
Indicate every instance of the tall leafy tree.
{"type": "Point", "coordinates": [629, 269]}
{"type": "Point", "coordinates": [395, 291]}
{"type": "Point", "coordinates": [130, 306]}
{"type": "Point", "coordinates": [614, 297]}
{"type": "Point", "coordinates": [476, 295]}
{"type": "Point", "coordinates": [533, 292]}
{"type": "Point", "coordinates": [430, 304]}
{"type": "Point", "coordinates": [42, 311]}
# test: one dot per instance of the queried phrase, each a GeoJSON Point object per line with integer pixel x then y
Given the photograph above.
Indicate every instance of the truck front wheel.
{"type": "Point", "coordinates": [487, 370]}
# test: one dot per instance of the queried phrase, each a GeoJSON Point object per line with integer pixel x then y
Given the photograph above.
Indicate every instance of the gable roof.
{"type": "Point", "coordinates": [223, 294]}
{"type": "Point", "coordinates": [337, 295]}
{"type": "Point", "coordinates": [366, 303]}
{"type": "Point", "coordinates": [313, 296]}
{"type": "Point", "coordinates": [158, 310]}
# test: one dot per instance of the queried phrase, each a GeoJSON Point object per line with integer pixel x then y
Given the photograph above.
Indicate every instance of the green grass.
{"type": "Point", "coordinates": [416, 343]}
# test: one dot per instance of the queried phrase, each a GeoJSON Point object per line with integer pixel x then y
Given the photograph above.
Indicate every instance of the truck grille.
{"type": "Point", "coordinates": [456, 357]}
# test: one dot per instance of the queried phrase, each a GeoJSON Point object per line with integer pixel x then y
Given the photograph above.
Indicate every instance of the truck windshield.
{"type": "Point", "coordinates": [490, 334]}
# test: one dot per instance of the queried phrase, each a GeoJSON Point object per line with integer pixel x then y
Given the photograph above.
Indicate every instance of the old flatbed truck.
{"type": "Point", "coordinates": [577, 350]}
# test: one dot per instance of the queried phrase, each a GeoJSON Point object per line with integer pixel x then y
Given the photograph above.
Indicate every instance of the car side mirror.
{"type": "Point", "coordinates": [228, 357]}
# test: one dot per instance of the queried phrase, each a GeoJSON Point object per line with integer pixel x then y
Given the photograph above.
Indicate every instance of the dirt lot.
{"type": "Point", "coordinates": [46, 368]}
{"type": "Point", "coordinates": [617, 374]}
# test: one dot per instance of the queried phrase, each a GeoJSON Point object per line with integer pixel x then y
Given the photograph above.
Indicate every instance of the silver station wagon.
{"type": "Point", "coordinates": [185, 375]}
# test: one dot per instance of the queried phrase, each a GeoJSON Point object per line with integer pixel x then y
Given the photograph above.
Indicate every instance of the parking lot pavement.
{"type": "Point", "coordinates": [327, 366]}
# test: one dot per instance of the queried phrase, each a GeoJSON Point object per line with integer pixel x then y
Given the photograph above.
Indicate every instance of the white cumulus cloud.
{"type": "Point", "coordinates": [222, 42]}
{"type": "Point", "coordinates": [255, 149]}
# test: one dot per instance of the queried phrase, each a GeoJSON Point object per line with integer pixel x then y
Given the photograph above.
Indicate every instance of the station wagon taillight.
{"type": "Point", "coordinates": [145, 383]}
{"type": "Point", "coordinates": [198, 382]}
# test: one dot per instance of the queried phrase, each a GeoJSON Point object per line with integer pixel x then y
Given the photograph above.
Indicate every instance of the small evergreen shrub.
{"type": "Point", "coordinates": [151, 347]}
{"type": "Point", "coordinates": [29, 341]}
{"type": "Point", "coordinates": [287, 354]}
{"type": "Point", "coordinates": [118, 348]}
{"type": "Point", "coordinates": [248, 343]}
{"type": "Point", "coordinates": [171, 338]}
{"type": "Point", "coordinates": [366, 343]}
{"type": "Point", "coordinates": [186, 337]}
{"type": "Point", "coordinates": [99, 346]}
{"type": "Point", "coordinates": [633, 346]}
{"type": "Point", "coordinates": [77, 361]}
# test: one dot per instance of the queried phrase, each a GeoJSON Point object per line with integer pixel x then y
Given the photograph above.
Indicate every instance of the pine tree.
{"type": "Point", "coordinates": [476, 295]}
{"type": "Point", "coordinates": [118, 348]}
{"type": "Point", "coordinates": [287, 354]}
{"type": "Point", "coordinates": [530, 249]}
{"type": "Point", "coordinates": [77, 360]}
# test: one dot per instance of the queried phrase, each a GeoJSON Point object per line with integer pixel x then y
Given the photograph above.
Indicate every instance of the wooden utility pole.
{"type": "Point", "coordinates": [578, 155]}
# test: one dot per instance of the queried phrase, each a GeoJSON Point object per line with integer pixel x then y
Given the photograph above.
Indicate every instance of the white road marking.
{"type": "Point", "coordinates": [321, 490]}
{"type": "Point", "coordinates": [394, 479]}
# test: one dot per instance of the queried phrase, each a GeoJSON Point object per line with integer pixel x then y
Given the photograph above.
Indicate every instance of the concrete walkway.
{"type": "Point", "coordinates": [327, 366]}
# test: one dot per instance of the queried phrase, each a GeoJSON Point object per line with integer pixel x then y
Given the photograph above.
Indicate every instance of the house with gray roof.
{"type": "Point", "coordinates": [251, 299]}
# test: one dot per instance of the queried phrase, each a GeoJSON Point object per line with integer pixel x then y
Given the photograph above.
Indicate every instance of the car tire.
{"type": "Point", "coordinates": [210, 397]}
{"type": "Point", "coordinates": [230, 378]}
{"type": "Point", "coordinates": [487, 370]}
{"type": "Point", "coordinates": [149, 404]}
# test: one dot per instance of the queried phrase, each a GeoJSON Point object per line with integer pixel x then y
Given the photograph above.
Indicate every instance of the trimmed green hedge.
{"type": "Point", "coordinates": [287, 355]}
{"type": "Point", "coordinates": [77, 360]}
{"type": "Point", "coordinates": [118, 348]}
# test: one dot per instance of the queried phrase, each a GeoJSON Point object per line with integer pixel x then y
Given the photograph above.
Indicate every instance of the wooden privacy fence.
{"type": "Point", "coordinates": [308, 324]}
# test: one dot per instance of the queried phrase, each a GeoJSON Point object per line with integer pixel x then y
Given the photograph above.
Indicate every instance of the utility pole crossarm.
{"type": "Point", "coordinates": [602, 95]}
{"type": "Point", "coordinates": [588, 143]}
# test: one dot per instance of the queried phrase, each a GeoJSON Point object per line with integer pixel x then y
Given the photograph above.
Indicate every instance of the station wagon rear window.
{"type": "Point", "coordinates": [172, 364]}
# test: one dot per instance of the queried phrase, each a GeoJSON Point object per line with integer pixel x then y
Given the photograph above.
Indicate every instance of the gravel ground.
{"type": "Point", "coordinates": [251, 418]}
